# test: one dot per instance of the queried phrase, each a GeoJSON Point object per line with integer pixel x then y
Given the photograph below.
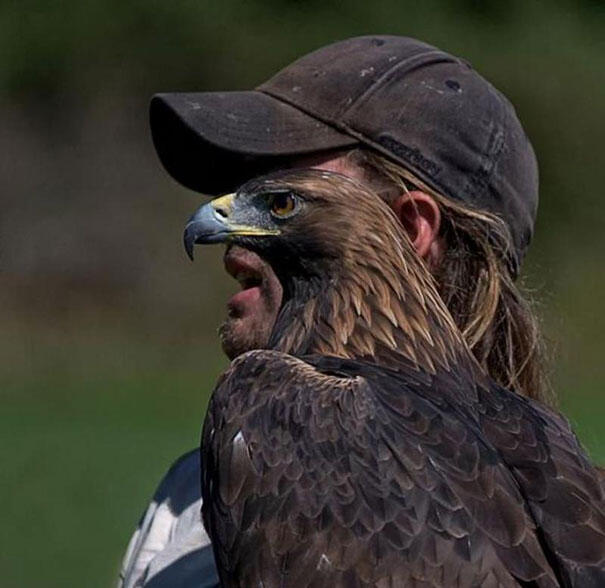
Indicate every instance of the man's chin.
{"type": "Point", "coordinates": [239, 335]}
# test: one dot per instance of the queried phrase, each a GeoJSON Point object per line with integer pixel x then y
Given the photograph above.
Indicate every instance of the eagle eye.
{"type": "Point", "coordinates": [282, 204]}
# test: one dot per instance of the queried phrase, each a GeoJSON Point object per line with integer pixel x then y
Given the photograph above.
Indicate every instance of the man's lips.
{"type": "Point", "coordinates": [247, 268]}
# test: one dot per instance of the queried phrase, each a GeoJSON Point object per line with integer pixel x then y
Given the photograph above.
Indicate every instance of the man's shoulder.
{"type": "Point", "coordinates": [187, 461]}
{"type": "Point", "coordinates": [180, 486]}
{"type": "Point", "coordinates": [170, 546]}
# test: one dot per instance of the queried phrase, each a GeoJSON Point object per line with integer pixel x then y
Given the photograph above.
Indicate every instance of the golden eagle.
{"type": "Point", "coordinates": [365, 447]}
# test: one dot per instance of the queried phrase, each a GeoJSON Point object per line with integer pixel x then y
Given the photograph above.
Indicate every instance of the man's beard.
{"type": "Point", "coordinates": [236, 340]}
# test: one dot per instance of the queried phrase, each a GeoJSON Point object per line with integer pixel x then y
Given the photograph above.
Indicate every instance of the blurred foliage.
{"type": "Point", "coordinates": [108, 350]}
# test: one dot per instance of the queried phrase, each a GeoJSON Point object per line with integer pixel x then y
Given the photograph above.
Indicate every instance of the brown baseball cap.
{"type": "Point", "coordinates": [421, 107]}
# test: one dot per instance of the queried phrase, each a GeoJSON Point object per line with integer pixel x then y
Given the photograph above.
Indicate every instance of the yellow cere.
{"type": "Point", "coordinates": [223, 203]}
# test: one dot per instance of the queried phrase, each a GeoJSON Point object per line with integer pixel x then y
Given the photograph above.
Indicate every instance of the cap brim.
{"type": "Point", "coordinates": [212, 142]}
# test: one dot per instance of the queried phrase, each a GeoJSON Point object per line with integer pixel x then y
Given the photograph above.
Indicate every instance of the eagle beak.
{"type": "Point", "coordinates": [212, 223]}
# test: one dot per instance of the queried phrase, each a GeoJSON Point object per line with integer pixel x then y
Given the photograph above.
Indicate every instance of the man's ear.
{"type": "Point", "coordinates": [421, 218]}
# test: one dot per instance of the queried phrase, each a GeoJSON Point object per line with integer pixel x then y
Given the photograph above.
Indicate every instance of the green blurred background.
{"type": "Point", "coordinates": [108, 347]}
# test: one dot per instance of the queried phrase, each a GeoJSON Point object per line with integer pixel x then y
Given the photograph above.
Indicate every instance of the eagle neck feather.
{"type": "Point", "coordinates": [372, 311]}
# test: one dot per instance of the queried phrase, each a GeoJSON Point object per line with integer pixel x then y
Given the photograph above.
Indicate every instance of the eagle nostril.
{"type": "Point", "coordinates": [221, 212]}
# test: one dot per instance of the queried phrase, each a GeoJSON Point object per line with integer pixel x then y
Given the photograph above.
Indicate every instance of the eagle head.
{"type": "Point", "coordinates": [306, 223]}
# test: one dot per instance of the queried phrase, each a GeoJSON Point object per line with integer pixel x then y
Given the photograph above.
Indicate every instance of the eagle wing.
{"type": "Point", "coordinates": [563, 489]}
{"type": "Point", "coordinates": [343, 474]}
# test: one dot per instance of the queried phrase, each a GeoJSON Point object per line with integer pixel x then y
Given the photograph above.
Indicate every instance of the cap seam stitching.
{"type": "Point", "coordinates": [334, 124]}
{"type": "Point", "coordinates": [413, 63]}
{"type": "Point", "coordinates": [372, 88]}
{"type": "Point", "coordinates": [498, 136]}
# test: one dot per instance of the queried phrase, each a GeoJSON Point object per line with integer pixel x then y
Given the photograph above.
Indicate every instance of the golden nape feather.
{"type": "Point", "coordinates": [366, 447]}
{"type": "Point", "coordinates": [378, 300]}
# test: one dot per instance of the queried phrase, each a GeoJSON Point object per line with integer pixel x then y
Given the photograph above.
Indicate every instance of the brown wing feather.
{"type": "Point", "coordinates": [562, 488]}
{"type": "Point", "coordinates": [354, 478]}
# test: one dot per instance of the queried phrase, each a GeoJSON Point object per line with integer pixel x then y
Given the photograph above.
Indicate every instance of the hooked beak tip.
{"type": "Point", "coordinates": [189, 238]}
{"type": "Point", "coordinates": [189, 251]}
{"type": "Point", "coordinates": [204, 226]}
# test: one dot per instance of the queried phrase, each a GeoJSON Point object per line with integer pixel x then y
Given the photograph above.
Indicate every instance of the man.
{"type": "Point", "coordinates": [435, 140]}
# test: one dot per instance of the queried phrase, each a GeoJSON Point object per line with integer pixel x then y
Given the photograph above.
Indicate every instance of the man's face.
{"type": "Point", "coordinates": [252, 312]}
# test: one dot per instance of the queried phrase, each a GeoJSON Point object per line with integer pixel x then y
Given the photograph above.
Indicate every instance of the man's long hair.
{"type": "Point", "coordinates": [475, 280]}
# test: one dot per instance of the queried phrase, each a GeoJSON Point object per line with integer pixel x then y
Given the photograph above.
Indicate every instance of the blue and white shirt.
{"type": "Point", "coordinates": [170, 547]}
